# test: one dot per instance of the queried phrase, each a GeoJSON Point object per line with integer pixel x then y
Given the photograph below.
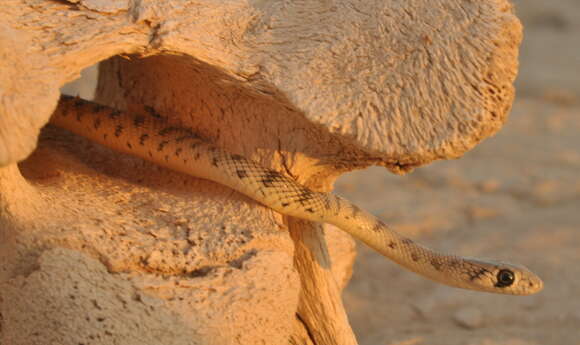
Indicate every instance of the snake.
{"type": "Point", "coordinates": [151, 136]}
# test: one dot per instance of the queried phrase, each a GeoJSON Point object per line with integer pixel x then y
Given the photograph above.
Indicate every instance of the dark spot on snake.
{"type": "Point", "coordinates": [167, 158]}
{"type": "Point", "coordinates": [269, 178]}
{"type": "Point", "coordinates": [178, 151]}
{"type": "Point", "coordinates": [355, 211]}
{"type": "Point", "coordinates": [142, 138]}
{"type": "Point", "coordinates": [284, 204]}
{"type": "Point", "coordinates": [138, 120]}
{"type": "Point", "coordinates": [407, 241]}
{"type": "Point", "coordinates": [392, 245]}
{"type": "Point", "coordinates": [118, 130]}
{"type": "Point", "coordinates": [114, 114]}
{"type": "Point", "coordinates": [454, 264]}
{"type": "Point", "coordinates": [305, 195]}
{"type": "Point", "coordinates": [79, 115]}
{"type": "Point", "coordinates": [195, 144]}
{"type": "Point", "coordinates": [184, 161]}
{"type": "Point", "coordinates": [129, 145]}
{"type": "Point", "coordinates": [105, 136]}
{"type": "Point", "coordinates": [379, 225]}
{"type": "Point", "coordinates": [477, 273]}
{"type": "Point", "coordinates": [436, 264]}
{"type": "Point", "coordinates": [182, 138]}
{"type": "Point", "coordinates": [310, 210]}
{"type": "Point", "coordinates": [197, 155]}
{"type": "Point", "coordinates": [237, 157]}
{"type": "Point", "coordinates": [97, 108]}
{"type": "Point", "coordinates": [150, 153]}
{"type": "Point", "coordinates": [414, 257]}
{"type": "Point", "coordinates": [241, 173]}
{"type": "Point", "coordinates": [162, 145]}
{"type": "Point", "coordinates": [97, 123]}
{"type": "Point", "coordinates": [214, 162]}
{"type": "Point", "coordinates": [152, 112]}
{"type": "Point", "coordinates": [168, 130]}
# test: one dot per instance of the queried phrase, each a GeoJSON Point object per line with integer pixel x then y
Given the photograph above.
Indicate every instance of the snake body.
{"type": "Point", "coordinates": [151, 137]}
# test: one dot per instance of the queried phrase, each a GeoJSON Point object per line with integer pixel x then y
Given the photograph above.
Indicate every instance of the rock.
{"type": "Point", "coordinates": [284, 83]}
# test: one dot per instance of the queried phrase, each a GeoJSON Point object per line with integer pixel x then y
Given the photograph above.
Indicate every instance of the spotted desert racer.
{"type": "Point", "coordinates": [151, 137]}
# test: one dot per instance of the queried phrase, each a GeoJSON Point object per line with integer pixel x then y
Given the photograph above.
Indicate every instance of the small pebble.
{"type": "Point", "coordinates": [469, 317]}
{"type": "Point", "coordinates": [481, 213]}
{"type": "Point", "coordinates": [489, 186]}
{"type": "Point", "coordinates": [425, 308]}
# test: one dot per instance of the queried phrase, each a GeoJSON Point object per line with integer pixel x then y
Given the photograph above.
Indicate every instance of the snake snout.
{"type": "Point", "coordinates": [535, 284]}
{"type": "Point", "coordinates": [526, 282]}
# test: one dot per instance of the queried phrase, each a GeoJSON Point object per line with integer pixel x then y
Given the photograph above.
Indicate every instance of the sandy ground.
{"type": "Point", "coordinates": [515, 197]}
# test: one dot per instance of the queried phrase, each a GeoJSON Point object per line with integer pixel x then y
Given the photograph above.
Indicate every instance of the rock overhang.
{"type": "Point", "coordinates": [397, 84]}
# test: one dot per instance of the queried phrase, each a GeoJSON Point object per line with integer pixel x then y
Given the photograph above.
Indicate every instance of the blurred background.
{"type": "Point", "coordinates": [514, 197]}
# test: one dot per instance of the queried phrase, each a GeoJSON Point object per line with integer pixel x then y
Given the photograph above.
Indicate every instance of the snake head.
{"type": "Point", "coordinates": [504, 278]}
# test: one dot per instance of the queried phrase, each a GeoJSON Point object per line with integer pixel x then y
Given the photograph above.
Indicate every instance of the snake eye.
{"type": "Point", "coordinates": [505, 278]}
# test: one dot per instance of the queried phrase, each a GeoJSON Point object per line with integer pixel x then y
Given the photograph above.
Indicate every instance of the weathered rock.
{"type": "Point", "coordinates": [287, 84]}
{"type": "Point", "coordinates": [385, 85]}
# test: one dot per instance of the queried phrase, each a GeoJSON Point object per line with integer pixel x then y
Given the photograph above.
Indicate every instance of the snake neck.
{"type": "Point", "coordinates": [439, 267]}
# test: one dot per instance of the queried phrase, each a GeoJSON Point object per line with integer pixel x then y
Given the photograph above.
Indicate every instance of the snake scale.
{"type": "Point", "coordinates": [150, 136]}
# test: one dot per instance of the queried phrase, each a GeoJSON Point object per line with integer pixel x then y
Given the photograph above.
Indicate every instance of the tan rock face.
{"type": "Point", "coordinates": [94, 306]}
{"type": "Point", "coordinates": [401, 83]}
{"type": "Point", "coordinates": [312, 89]}
{"type": "Point", "coordinates": [410, 82]}
{"type": "Point", "coordinates": [22, 75]}
{"type": "Point", "coordinates": [211, 262]}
